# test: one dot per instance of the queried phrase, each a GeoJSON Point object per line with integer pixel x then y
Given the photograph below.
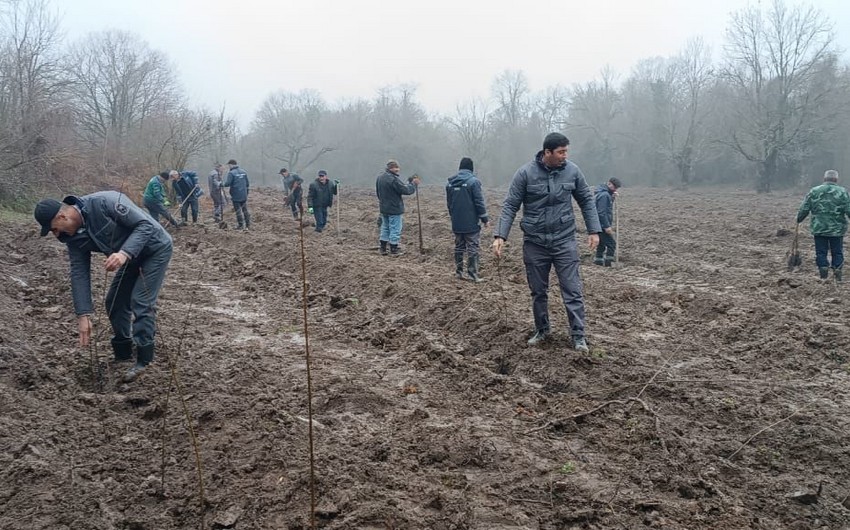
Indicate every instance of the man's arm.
{"type": "Point", "coordinates": [80, 261]}
{"type": "Point", "coordinates": [805, 208]}
{"type": "Point", "coordinates": [516, 194]}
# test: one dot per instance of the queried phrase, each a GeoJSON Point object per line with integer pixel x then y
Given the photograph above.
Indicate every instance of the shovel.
{"type": "Point", "coordinates": [794, 259]}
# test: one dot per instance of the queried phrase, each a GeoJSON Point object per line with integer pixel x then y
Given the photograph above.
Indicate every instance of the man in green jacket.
{"type": "Point", "coordinates": [155, 199]}
{"type": "Point", "coordinates": [829, 205]}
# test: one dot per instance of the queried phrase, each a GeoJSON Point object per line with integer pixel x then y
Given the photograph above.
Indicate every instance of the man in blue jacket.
{"type": "Point", "coordinates": [605, 195]}
{"type": "Point", "coordinates": [237, 181]}
{"type": "Point", "coordinates": [320, 197]}
{"type": "Point", "coordinates": [390, 189]}
{"type": "Point", "coordinates": [138, 250]}
{"type": "Point", "coordinates": [466, 208]}
{"type": "Point", "coordinates": [188, 192]}
{"type": "Point", "coordinates": [545, 188]}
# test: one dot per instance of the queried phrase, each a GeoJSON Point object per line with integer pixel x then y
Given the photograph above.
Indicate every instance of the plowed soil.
{"type": "Point", "coordinates": [715, 394]}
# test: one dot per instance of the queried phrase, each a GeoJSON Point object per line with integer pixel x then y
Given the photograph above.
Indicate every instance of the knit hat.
{"type": "Point", "coordinates": [465, 163]}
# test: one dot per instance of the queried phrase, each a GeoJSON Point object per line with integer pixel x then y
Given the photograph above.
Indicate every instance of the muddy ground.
{"type": "Point", "coordinates": [715, 394]}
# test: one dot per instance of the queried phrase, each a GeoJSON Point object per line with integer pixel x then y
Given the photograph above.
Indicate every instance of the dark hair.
{"type": "Point", "coordinates": [466, 163]}
{"type": "Point", "coordinates": [232, 162]}
{"type": "Point", "coordinates": [282, 170]}
{"type": "Point", "coordinates": [554, 141]}
{"type": "Point", "coordinates": [165, 175]}
{"type": "Point", "coordinates": [616, 182]}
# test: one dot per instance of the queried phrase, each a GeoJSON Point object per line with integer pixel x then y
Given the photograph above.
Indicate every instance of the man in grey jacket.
{"type": "Point", "coordinates": [138, 250]}
{"type": "Point", "coordinates": [390, 189]}
{"type": "Point", "coordinates": [545, 188]}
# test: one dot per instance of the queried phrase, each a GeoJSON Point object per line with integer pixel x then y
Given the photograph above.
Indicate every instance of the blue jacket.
{"type": "Point", "coordinates": [389, 189]}
{"type": "Point", "coordinates": [465, 202]}
{"type": "Point", "coordinates": [111, 223]}
{"type": "Point", "coordinates": [237, 181]}
{"type": "Point", "coordinates": [604, 206]}
{"type": "Point", "coordinates": [186, 184]}
{"type": "Point", "coordinates": [546, 195]}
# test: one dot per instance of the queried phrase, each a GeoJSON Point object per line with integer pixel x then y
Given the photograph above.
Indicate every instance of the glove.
{"type": "Point", "coordinates": [336, 181]}
{"type": "Point", "coordinates": [309, 210]}
{"type": "Point", "coordinates": [167, 203]}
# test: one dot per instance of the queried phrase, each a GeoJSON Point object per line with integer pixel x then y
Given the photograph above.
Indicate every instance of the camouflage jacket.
{"type": "Point", "coordinates": [829, 205]}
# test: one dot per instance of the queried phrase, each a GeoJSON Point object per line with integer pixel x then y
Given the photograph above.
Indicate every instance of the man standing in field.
{"type": "Point", "coordinates": [829, 205]}
{"type": "Point", "coordinates": [216, 193]}
{"type": "Point", "coordinates": [605, 197]}
{"type": "Point", "coordinates": [465, 202]}
{"type": "Point", "coordinates": [237, 181]}
{"type": "Point", "coordinates": [545, 188]}
{"type": "Point", "coordinates": [320, 197]}
{"type": "Point", "coordinates": [390, 189]}
{"type": "Point", "coordinates": [138, 251]}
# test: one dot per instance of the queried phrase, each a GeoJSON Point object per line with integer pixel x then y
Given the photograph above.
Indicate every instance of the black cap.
{"type": "Point", "coordinates": [282, 171]}
{"type": "Point", "coordinates": [44, 213]}
{"type": "Point", "coordinates": [465, 163]}
{"type": "Point", "coordinates": [323, 173]}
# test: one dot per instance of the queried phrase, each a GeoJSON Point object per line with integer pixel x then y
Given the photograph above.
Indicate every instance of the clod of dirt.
{"type": "Point", "coordinates": [782, 232]}
{"type": "Point", "coordinates": [327, 510]}
{"type": "Point", "coordinates": [228, 518]}
{"type": "Point", "coordinates": [804, 498]}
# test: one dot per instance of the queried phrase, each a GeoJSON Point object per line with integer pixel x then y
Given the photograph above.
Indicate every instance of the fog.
{"type": "Point", "coordinates": [661, 94]}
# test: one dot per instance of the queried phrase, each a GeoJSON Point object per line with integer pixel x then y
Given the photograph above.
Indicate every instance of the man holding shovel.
{"type": "Point", "coordinates": [138, 250]}
{"type": "Point", "coordinates": [188, 191]}
{"type": "Point", "coordinates": [390, 189]}
{"type": "Point", "coordinates": [829, 205]}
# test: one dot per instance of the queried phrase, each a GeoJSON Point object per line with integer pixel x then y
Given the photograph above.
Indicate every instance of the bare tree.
{"type": "Point", "coordinates": [551, 108]}
{"type": "Point", "coordinates": [184, 134]}
{"type": "Point", "coordinates": [594, 108]}
{"type": "Point", "coordinates": [471, 124]}
{"type": "Point", "coordinates": [772, 58]}
{"type": "Point", "coordinates": [511, 92]}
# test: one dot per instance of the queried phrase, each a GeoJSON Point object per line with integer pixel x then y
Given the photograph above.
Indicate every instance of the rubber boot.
{"type": "Point", "coordinates": [383, 247]}
{"type": "Point", "coordinates": [459, 265]}
{"type": "Point", "coordinates": [824, 272]}
{"type": "Point", "coordinates": [837, 273]}
{"type": "Point", "coordinates": [144, 356]}
{"type": "Point", "coordinates": [598, 259]}
{"type": "Point", "coordinates": [123, 349]}
{"type": "Point", "coordinates": [472, 269]}
{"type": "Point", "coordinates": [395, 251]}
{"type": "Point", "coordinates": [608, 260]}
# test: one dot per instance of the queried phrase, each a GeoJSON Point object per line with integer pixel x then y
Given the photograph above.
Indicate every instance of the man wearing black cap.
{"type": "Point", "coordinates": [320, 197]}
{"type": "Point", "coordinates": [390, 189]}
{"type": "Point", "coordinates": [138, 250]}
{"type": "Point", "coordinates": [237, 181]}
{"type": "Point", "coordinates": [466, 208]}
{"type": "Point", "coordinates": [291, 191]}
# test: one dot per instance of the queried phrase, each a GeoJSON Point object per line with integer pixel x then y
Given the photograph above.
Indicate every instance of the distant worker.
{"type": "Point", "coordinates": [156, 201]}
{"type": "Point", "coordinates": [606, 194]}
{"type": "Point", "coordinates": [216, 193]}
{"type": "Point", "coordinates": [465, 201]}
{"type": "Point", "coordinates": [138, 251]}
{"type": "Point", "coordinates": [237, 181]}
{"type": "Point", "coordinates": [188, 192]}
{"type": "Point", "coordinates": [320, 197]}
{"type": "Point", "coordinates": [390, 189]}
{"type": "Point", "coordinates": [545, 188]}
{"type": "Point", "coordinates": [829, 205]}
{"type": "Point", "coordinates": [292, 191]}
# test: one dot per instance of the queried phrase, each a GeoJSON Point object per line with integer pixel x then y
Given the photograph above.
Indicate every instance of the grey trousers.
{"type": "Point", "coordinates": [538, 263]}
{"type": "Point", "coordinates": [131, 300]}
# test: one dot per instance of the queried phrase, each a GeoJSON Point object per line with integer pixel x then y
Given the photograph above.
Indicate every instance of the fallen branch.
{"type": "Point", "coordinates": [774, 424]}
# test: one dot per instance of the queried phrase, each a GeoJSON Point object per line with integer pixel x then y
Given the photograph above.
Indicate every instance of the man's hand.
{"type": "Point", "coordinates": [609, 231]}
{"type": "Point", "coordinates": [415, 180]}
{"type": "Point", "coordinates": [116, 261]}
{"type": "Point", "coordinates": [166, 203]}
{"type": "Point", "coordinates": [593, 241]}
{"type": "Point", "coordinates": [336, 181]}
{"type": "Point", "coordinates": [84, 323]}
{"type": "Point", "coordinates": [497, 246]}
{"type": "Point", "coordinates": [310, 210]}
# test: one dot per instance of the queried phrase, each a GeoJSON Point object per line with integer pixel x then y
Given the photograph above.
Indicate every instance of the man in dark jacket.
{"type": "Point", "coordinates": [237, 181]}
{"type": "Point", "coordinates": [188, 192]}
{"type": "Point", "coordinates": [545, 188]}
{"type": "Point", "coordinates": [292, 191]}
{"type": "Point", "coordinates": [466, 208]}
{"type": "Point", "coordinates": [138, 250]}
{"type": "Point", "coordinates": [216, 193]}
{"type": "Point", "coordinates": [390, 189]}
{"type": "Point", "coordinates": [320, 197]}
{"type": "Point", "coordinates": [605, 195]}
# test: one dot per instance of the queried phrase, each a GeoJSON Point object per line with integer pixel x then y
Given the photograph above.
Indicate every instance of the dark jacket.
{"type": "Point", "coordinates": [214, 182]}
{"type": "Point", "coordinates": [465, 202]}
{"type": "Point", "coordinates": [186, 184]}
{"type": "Point", "coordinates": [545, 195]}
{"type": "Point", "coordinates": [289, 180]}
{"type": "Point", "coordinates": [321, 195]}
{"type": "Point", "coordinates": [604, 205]}
{"type": "Point", "coordinates": [111, 223]}
{"type": "Point", "coordinates": [237, 181]}
{"type": "Point", "coordinates": [390, 188]}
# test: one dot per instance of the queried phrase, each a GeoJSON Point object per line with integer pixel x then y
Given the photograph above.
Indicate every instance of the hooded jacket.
{"type": "Point", "coordinates": [390, 188]}
{"type": "Point", "coordinates": [237, 181]}
{"type": "Point", "coordinates": [187, 184]}
{"type": "Point", "coordinates": [545, 195]}
{"type": "Point", "coordinates": [604, 205]}
{"type": "Point", "coordinates": [465, 202]}
{"type": "Point", "coordinates": [111, 223]}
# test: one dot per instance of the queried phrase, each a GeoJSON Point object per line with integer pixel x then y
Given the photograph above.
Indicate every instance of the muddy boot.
{"type": "Point", "coordinates": [837, 273]}
{"type": "Point", "coordinates": [144, 356]}
{"type": "Point", "coordinates": [824, 272]}
{"type": "Point", "coordinates": [123, 349]}
{"type": "Point", "coordinates": [395, 251]}
{"type": "Point", "coordinates": [472, 269]}
{"type": "Point", "coordinates": [383, 248]}
{"type": "Point", "coordinates": [580, 344]}
{"type": "Point", "coordinates": [459, 265]}
{"type": "Point", "coordinates": [598, 259]}
{"type": "Point", "coordinates": [607, 261]}
{"type": "Point", "coordinates": [539, 336]}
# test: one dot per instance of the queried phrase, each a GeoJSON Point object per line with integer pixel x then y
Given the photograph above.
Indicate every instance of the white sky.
{"type": "Point", "coordinates": [240, 52]}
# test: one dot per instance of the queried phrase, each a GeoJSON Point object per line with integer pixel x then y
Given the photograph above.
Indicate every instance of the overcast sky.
{"type": "Point", "coordinates": [451, 50]}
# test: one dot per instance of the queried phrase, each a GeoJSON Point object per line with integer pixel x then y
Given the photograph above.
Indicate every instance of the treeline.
{"type": "Point", "coordinates": [769, 109]}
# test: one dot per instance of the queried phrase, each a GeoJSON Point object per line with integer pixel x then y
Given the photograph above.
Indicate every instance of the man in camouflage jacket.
{"type": "Point", "coordinates": [829, 205]}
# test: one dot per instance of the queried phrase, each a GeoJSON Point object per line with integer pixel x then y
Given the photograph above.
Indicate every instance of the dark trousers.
{"type": "Point", "coordinates": [131, 300]}
{"type": "Point", "coordinates": [607, 247]}
{"type": "Point", "coordinates": [295, 201]}
{"type": "Point", "coordinates": [829, 245]}
{"type": "Point", "coordinates": [243, 218]}
{"type": "Point", "coordinates": [538, 263]}
{"type": "Point", "coordinates": [217, 211]}
{"type": "Point", "coordinates": [321, 214]}
{"type": "Point", "coordinates": [469, 242]}
{"type": "Point", "coordinates": [184, 209]}
{"type": "Point", "coordinates": [158, 209]}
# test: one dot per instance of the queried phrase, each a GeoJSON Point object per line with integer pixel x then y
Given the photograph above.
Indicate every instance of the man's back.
{"type": "Point", "coordinates": [829, 205]}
